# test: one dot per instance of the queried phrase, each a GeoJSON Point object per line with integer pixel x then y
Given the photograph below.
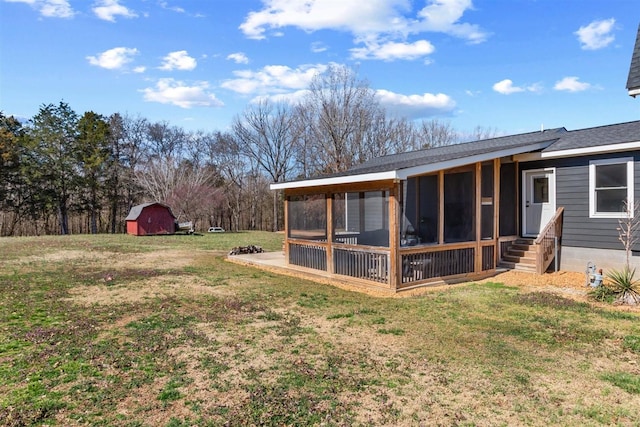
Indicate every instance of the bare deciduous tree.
{"type": "Point", "coordinates": [179, 184]}
{"type": "Point", "coordinates": [435, 133]}
{"type": "Point", "coordinates": [339, 112]}
{"type": "Point", "coordinates": [233, 167]}
{"type": "Point", "coordinates": [164, 140]}
{"type": "Point", "coordinates": [267, 134]}
{"type": "Point", "coordinates": [479, 133]}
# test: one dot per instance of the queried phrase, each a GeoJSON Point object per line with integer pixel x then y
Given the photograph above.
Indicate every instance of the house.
{"type": "Point", "coordinates": [149, 219]}
{"type": "Point", "coordinates": [633, 81]}
{"type": "Point", "coordinates": [538, 200]}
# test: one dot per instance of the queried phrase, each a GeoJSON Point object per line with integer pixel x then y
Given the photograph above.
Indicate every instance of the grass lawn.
{"type": "Point", "coordinates": [161, 331]}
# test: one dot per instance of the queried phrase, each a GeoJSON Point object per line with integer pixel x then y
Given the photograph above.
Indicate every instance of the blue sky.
{"type": "Point", "coordinates": [508, 65]}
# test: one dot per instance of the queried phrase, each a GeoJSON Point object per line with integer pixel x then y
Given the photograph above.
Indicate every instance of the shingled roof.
{"type": "Point", "coordinates": [552, 143]}
{"type": "Point", "coordinates": [135, 211]}
{"type": "Point", "coordinates": [590, 139]}
{"type": "Point", "coordinates": [506, 145]}
{"type": "Point", "coordinates": [633, 81]}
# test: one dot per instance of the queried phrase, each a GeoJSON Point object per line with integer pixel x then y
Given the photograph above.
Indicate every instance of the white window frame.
{"type": "Point", "coordinates": [592, 187]}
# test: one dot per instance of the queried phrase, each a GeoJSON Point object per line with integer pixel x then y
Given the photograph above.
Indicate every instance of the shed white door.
{"type": "Point", "coordinates": [539, 200]}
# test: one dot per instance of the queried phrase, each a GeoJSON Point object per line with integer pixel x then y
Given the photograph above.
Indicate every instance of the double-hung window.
{"type": "Point", "coordinates": [610, 187]}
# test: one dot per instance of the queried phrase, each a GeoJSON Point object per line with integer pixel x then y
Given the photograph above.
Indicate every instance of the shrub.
{"type": "Point", "coordinates": [624, 286]}
{"type": "Point", "coordinates": [602, 293]}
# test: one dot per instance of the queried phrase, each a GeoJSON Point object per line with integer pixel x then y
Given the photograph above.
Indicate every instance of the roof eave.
{"type": "Point", "coordinates": [336, 180]}
{"type": "Point", "coordinates": [634, 92]}
{"type": "Point", "coordinates": [412, 171]}
{"type": "Point", "coordinates": [586, 151]}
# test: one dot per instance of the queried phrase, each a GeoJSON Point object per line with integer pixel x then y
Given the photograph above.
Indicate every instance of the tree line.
{"type": "Point", "coordinates": [63, 173]}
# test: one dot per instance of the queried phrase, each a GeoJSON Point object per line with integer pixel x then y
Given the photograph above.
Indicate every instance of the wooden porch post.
{"type": "Point", "coordinates": [285, 244]}
{"type": "Point", "coordinates": [330, 232]}
{"type": "Point", "coordinates": [518, 207]}
{"type": "Point", "coordinates": [478, 251]}
{"type": "Point", "coordinates": [394, 235]}
{"type": "Point", "coordinates": [440, 207]}
{"type": "Point", "coordinates": [496, 211]}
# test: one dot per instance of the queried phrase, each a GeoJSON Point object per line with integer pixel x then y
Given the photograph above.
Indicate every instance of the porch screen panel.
{"type": "Point", "coordinates": [376, 207]}
{"type": "Point", "coordinates": [366, 218]}
{"type": "Point", "coordinates": [508, 199]}
{"type": "Point", "coordinates": [410, 207]}
{"type": "Point", "coordinates": [308, 217]}
{"type": "Point", "coordinates": [486, 220]}
{"type": "Point", "coordinates": [459, 203]}
{"type": "Point", "coordinates": [428, 223]}
{"type": "Point", "coordinates": [345, 222]}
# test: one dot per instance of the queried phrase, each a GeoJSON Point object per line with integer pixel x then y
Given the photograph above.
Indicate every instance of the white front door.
{"type": "Point", "coordinates": [538, 200]}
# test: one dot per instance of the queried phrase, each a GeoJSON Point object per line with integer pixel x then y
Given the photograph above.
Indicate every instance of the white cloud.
{"type": "Point", "coordinates": [317, 47]}
{"type": "Point", "coordinates": [165, 5]}
{"type": "Point", "coordinates": [175, 92]}
{"type": "Point", "coordinates": [140, 69]}
{"type": "Point", "coordinates": [56, 9]}
{"type": "Point", "coordinates": [238, 58]}
{"type": "Point", "coordinates": [391, 51]}
{"type": "Point", "coordinates": [415, 106]}
{"type": "Point", "coordinates": [596, 35]}
{"type": "Point", "coordinates": [444, 16]}
{"type": "Point", "coordinates": [571, 84]}
{"type": "Point", "coordinates": [388, 20]}
{"type": "Point", "coordinates": [273, 79]}
{"type": "Point", "coordinates": [50, 8]}
{"type": "Point", "coordinates": [348, 15]}
{"type": "Point", "coordinates": [179, 60]}
{"type": "Point", "coordinates": [292, 98]}
{"type": "Point", "coordinates": [113, 59]}
{"type": "Point", "coordinates": [506, 87]}
{"type": "Point", "coordinates": [107, 10]}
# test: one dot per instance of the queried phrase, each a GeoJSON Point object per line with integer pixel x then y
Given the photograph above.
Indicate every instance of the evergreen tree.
{"type": "Point", "coordinates": [93, 155]}
{"type": "Point", "coordinates": [52, 159]}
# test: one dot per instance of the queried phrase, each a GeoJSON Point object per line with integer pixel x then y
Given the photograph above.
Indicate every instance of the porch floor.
{"type": "Point", "coordinates": [272, 259]}
{"type": "Point", "coordinates": [276, 263]}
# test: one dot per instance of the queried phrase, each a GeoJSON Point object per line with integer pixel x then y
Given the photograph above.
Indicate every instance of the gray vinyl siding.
{"type": "Point", "coordinates": [572, 192]}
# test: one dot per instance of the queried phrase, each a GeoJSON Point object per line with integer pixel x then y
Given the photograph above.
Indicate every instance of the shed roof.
{"type": "Point", "coordinates": [135, 211]}
{"type": "Point", "coordinates": [552, 143]}
{"type": "Point", "coordinates": [633, 81]}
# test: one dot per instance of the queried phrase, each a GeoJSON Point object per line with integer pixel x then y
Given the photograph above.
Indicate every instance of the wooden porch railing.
{"type": "Point", "coordinates": [548, 242]}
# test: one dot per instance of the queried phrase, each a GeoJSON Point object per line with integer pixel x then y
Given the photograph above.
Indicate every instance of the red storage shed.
{"type": "Point", "coordinates": [151, 218]}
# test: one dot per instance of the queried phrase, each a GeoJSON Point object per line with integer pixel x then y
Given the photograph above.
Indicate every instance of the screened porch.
{"type": "Point", "coordinates": [445, 226]}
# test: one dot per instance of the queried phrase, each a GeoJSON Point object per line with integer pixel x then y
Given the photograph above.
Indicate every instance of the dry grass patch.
{"type": "Point", "coordinates": [127, 336]}
{"type": "Point", "coordinates": [161, 287]}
